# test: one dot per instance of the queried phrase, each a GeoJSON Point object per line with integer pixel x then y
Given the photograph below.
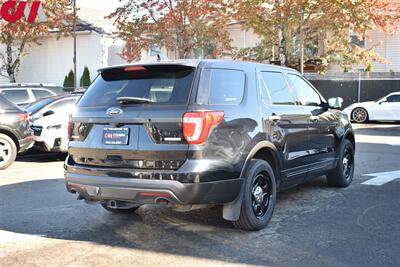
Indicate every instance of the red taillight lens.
{"type": "Point", "coordinates": [197, 125]}
{"type": "Point", "coordinates": [24, 117]}
{"type": "Point", "coordinates": [70, 127]}
{"type": "Point", "coordinates": [135, 68]}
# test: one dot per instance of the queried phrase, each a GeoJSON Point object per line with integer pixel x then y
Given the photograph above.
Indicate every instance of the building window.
{"type": "Point", "coordinates": [355, 40]}
{"type": "Point", "coordinates": [155, 50]}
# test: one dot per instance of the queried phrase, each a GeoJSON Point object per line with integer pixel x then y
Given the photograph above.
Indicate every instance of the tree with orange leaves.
{"type": "Point", "coordinates": [18, 31]}
{"type": "Point", "coordinates": [177, 25]}
{"type": "Point", "coordinates": [288, 27]}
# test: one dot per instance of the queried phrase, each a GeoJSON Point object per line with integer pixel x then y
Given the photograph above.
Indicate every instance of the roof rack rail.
{"type": "Point", "coordinates": [28, 85]}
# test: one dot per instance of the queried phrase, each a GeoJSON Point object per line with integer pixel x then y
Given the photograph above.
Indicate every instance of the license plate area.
{"type": "Point", "coordinates": [116, 136]}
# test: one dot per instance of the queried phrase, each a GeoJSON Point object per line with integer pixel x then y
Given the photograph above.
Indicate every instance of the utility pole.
{"type": "Point", "coordinates": [74, 36]}
{"type": "Point", "coordinates": [302, 38]}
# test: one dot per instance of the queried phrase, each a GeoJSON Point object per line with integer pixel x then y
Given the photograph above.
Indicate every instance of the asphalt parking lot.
{"type": "Point", "coordinates": [314, 225]}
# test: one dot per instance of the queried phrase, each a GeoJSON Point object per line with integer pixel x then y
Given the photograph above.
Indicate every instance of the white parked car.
{"type": "Point", "coordinates": [49, 118]}
{"type": "Point", "coordinates": [385, 109]}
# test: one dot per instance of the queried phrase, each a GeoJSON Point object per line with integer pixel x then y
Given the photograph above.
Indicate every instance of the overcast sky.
{"type": "Point", "coordinates": [105, 5]}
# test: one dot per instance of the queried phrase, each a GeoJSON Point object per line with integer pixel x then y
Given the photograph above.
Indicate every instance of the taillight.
{"type": "Point", "coordinates": [197, 125]}
{"type": "Point", "coordinates": [24, 117]}
{"type": "Point", "coordinates": [70, 127]}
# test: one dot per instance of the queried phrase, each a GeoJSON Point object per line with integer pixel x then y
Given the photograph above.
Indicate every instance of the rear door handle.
{"type": "Point", "coordinates": [314, 118]}
{"type": "Point", "coordinates": [274, 118]}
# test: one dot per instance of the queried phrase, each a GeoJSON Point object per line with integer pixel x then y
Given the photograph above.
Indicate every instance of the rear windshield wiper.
{"type": "Point", "coordinates": [126, 100]}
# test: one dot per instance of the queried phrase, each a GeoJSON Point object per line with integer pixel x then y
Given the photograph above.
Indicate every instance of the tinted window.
{"type": "Point", "coordinates": [275, 90]}
{"type": "Point", "coordinates": [39, 94]}
{"type": "Point", "coordinates": [163, 84]}
{"type": "Point", "coordinates": [393, 98]}
{"type": "Point", "coordinates": [16, 96]}
{"type": "Point", "coordinates": [7, 105]}
{"type": "Point", "coordinates": [220, 86]}
{"type": "Point", "coordinates": [306, 95]}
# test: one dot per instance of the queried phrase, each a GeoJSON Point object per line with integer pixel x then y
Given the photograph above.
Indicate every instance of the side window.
{"type": "Point", "coordinates": [275, 89]}
{"type": "Point", "coordinates": [63, 106]}
{"type": "Point", "coordinates": [393, 98]}
{"type": "Point", "coordinates": [16, 96]}
{"type": "Point", "coordinates": [39, 94]}
{"type": "Point", "coordinates": [306, 95]}
{"type": "Point", "coordinates": [221, 87]}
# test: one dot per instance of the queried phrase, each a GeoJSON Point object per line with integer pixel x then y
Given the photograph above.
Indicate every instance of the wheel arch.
{"type": "Point", "coordinates": [263, 150]}
{"type": "Point", "coordinates": [11, 135]}
{"type": "Point", "coordinates": [266, 151]}
{"type": "Point", "coordinates": [349, 135]}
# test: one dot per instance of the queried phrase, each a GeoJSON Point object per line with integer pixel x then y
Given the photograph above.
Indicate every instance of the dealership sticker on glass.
{"type": "Point", "coordinates": [116, 136]}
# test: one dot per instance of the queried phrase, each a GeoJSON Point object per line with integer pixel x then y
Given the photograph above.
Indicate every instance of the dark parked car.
{"type": "Point", "coordinates": [193, 133]}
{"type": "Point", "coordinates": [27, 93]}
{"type": "Point", "coordinates": [15, 133]}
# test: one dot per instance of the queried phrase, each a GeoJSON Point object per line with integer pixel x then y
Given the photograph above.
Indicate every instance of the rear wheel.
{"type": "Point", "coordinates": [359, 115]}
{"type": "Point", "coordinates": [342, 176]}
{"type": "Point", "coordinates": [8, 151]}
{"type": "Point", "coordinates": [106, 206]}
{"type": "Point", "coordinates": [259, 197]}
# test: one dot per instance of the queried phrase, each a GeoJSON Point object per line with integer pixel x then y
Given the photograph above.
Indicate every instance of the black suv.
{"type": "Point", "coordinates": [15, 132]}
{"type": "Point", "coordinates": [193, 133]}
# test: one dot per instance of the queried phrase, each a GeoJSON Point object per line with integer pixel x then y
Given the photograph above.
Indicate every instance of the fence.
{"type": "Point", "coordinates": [355, 87]}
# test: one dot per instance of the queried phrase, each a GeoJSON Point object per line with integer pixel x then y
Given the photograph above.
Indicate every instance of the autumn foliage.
{"type": "Point", "coordinates": [325, 26]}
{"type": "Point", "coordinates": [181, 26]}
{"type": "Point", "coordinates": [17, 35]}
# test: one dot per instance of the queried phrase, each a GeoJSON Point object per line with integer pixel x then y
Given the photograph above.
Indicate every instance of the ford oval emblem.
{"type": "Point", "coordinates": [114, 112]}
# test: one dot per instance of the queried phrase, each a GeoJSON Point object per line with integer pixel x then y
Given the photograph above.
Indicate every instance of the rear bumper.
{"type": "Point", "coordinates": [149, 191]}
{"type": "Point", "coordinates": [25, 143]}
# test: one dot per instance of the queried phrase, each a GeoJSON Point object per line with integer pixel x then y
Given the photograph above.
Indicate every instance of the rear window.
{"type": "Point", "coordinates": [221, 87]}
{"type": "Point", "coordinates": [166, 84]}
{"type": "Point", "coordinates": [7, 105]}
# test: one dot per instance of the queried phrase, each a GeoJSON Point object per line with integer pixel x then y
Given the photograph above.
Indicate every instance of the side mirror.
{"type": "Point", "coordinates": [382, 101]}
{"type": "Point", "coordinates": [335, 103]}
{"type": "Point", "coordinates": [48, 113]}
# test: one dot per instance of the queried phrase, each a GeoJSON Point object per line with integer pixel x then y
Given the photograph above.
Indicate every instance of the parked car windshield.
{"type": "Point", "coordinates": [161, 84]}
{"type": "Point", "coordinates": [35, 107]}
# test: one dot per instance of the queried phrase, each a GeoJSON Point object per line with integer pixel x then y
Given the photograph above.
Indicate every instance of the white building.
{"type": "Point", "coordinates": [51, 61]}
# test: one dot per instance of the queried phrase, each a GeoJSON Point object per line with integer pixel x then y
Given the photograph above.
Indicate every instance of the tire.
{"type": "Point", "coordinates": [342, 175]}
{"type": "Point", "coordinates": [359, 115]}
{"type": "Point", "coordinates": [118, 211]}
{"type": "Point", "coordinates": [8, 151]}
{"type": "Point", "coordinates": [257, 206]}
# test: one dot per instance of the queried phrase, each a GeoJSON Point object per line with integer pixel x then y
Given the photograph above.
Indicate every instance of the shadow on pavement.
{"type": "Point", "coordinates": [43, 207]}
{"type": "Point", "coordinates": [393, 130]}
{"type": "Point", "coordinates": [35, 156]}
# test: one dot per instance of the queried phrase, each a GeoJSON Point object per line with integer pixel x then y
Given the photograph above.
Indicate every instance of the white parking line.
{"type": "Point", "coordinates": [10, 237]}
{"type": "Point", "coordinates": [381, 178]}
{"type": "Point", "coordinates": [377, 139]}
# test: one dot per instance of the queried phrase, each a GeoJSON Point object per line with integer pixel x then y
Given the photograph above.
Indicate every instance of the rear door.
{"type": "Point", "coordinates": [286, 124]}
{"type": "Point", "coordinates": [135, 135]}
